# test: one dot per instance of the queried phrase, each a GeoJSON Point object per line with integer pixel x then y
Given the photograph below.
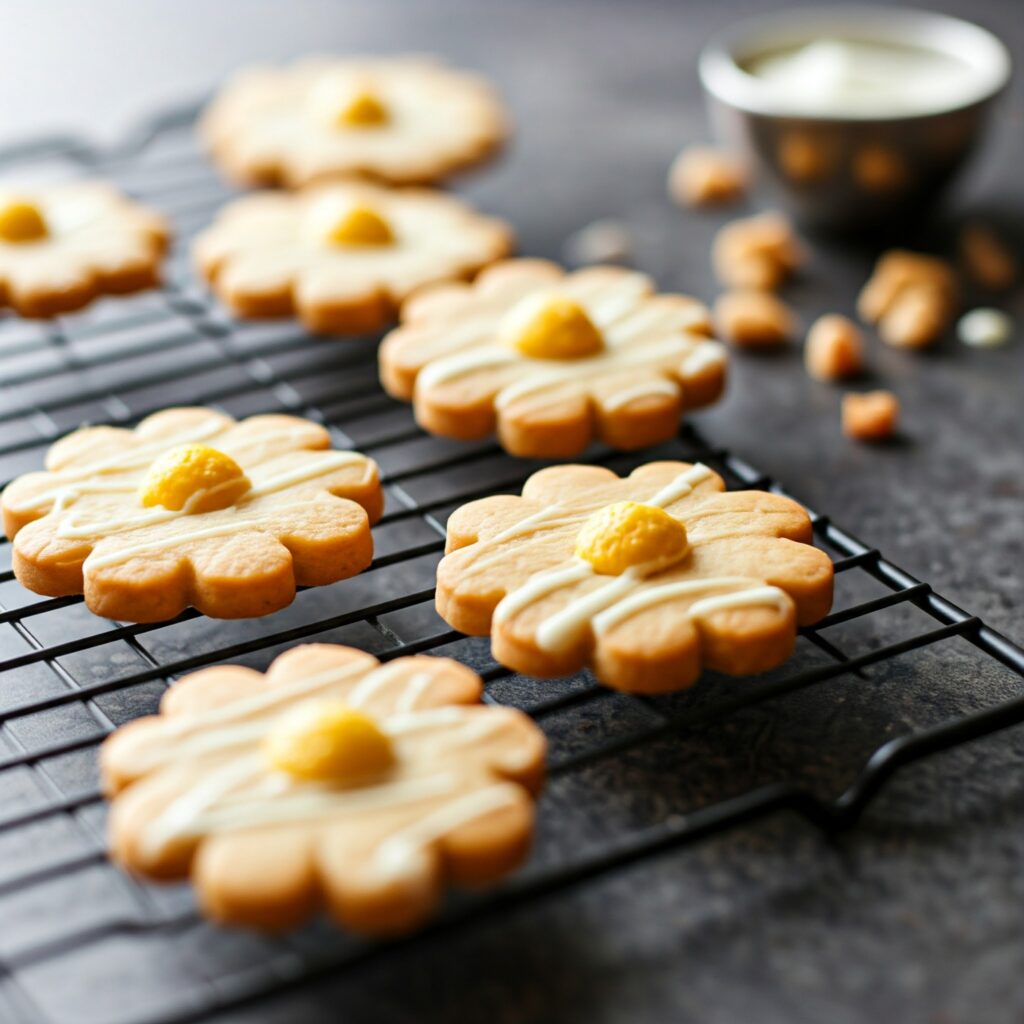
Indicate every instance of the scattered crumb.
{"type": "Point", "coordinates": [870, 415]}
{"type": "Point", "coordinates": [753, 319]}
{"type": "Point", "coordinates": [987, 261]}
{"type": "Point", "coordinates": [834, 348]}
{"type": "Point", "coordinates": [756, 252]}
{"type": "Point", "coordinates": [703, 176]}
{"type": "Point", "coordinates": [917, 318]}
{"type": "Point", "coordinates": [910, 296]}
{"type": "Point", "coordinates": [602, 241]}
{"type": "Point", "coordinates": [985, 328]}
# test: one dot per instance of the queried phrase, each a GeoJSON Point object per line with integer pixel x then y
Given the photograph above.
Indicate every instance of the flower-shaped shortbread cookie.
{"type": "Point", "coordinates": [61, 246]}
{"type": "Point", "coordinates": [331, 780]}
{"type": "Point", "coordinates": [553, 359]}
{"type": "Point", "coordinates": [401, 120]}
{"type": "Point", "coordinates": [645, 578]}
{"type": "Point", "coordinates": [192, 508]}
{"type": "Point", "coordinates": [342, 257]}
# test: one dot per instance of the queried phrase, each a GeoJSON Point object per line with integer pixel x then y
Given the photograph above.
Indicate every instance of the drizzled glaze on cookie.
{"type": "Point", "coordinates": [585, 564]}
{"type": "Point", "coordinates": [222, 761]}
{"type": "Point", "coordinates": [99, 520]}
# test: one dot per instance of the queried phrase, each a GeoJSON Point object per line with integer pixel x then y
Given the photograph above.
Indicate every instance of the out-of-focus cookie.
{"type": "Point", "coordinates": [646, 579]}
{"type": "Point", "coordinates": [62, 246]}
{"type": "Point", "coordinates": [342, 257]}
{"type": "Point", "coordinates": [330, 781]}
{"type": "Point", "coordinates": [402, 120]}
{"type": "Point", "coordinates": [551, 360]}
{"type": "Point", "coordinates": [192, 508]}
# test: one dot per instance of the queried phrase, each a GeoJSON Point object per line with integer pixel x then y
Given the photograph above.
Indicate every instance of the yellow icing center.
{"type": "Point", "coordinates": [629, 535]}
{"type": "Point", "coordinates": [546, 325]}
{"type": "Point", "coordinates": [364, 110]}
{"type": "Point", "coordinates": [194, 477]}
{"type": "Point", "coordinates": [329, 742]}
{"type": "Point", "coordinates": [21, 221]}
{"type": "Point", "coordinates": [361, 226]}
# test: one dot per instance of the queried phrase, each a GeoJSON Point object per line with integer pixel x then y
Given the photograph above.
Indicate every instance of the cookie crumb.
{"type": "Point", "coordinates": [705, 176]}
{"type": "Point", "coordinates": [756, 252]}
{"type": "Point", "coordinates": [601, 241]}
{"type": "Point", "coordinates": [834, 348]}
{"type": "Point", "coordinates": [985, 328]}
{"type": "Point", "coordinates": [753, 319]}
{"type": "Point", "coordinates": [870, 415]}
{"type": "Point", "coordinates": [987, 261]}
{"type": "Point", "coordinates": [912, 297]}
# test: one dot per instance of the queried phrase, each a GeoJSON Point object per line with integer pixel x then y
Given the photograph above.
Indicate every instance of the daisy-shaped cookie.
{"type": "Point", "coordinates": [400, 120]}
{"type": "Point", "coordinates": [551, 359]}
{"type": "Point", "coordinates": [342, 257]}
{"type": "Point", "coordinates": [61, 246]}
{"type": "Point", "coordinates": [332, 780]}
{"type": "Point", "coordinates": [192, 508]}
{"type": "Point", "coordinates": [646, 578]}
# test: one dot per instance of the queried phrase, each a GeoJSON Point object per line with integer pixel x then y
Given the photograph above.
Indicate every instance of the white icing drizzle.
{"type": "Point", "coordinates": [656, 386]}
{"type": "Point", "coordinates": [144, 454]}
{"type": "Point", "coordinates": [239, 790]}
{"type": "Point", "coordinates": [621, 597]}
{"type": "Point", "coordinates": [415, 688]}
{"type": "Point", "coordinates": [255, 706]}
{"type": "Point", "coordinates": [120, 462]}
{"type": "Point", "coordinates": [747, 593]}
{"type": "Point", "coordinates": [127, 551]}
{"type": "Point", "coordinates": [395, 852]}
{"type": "Point", "coordinates": [372, 684]}
{"type": "Point", "coordinates": [613, 309]}
{"type": "Point", "coordinates": [558, 632]}
{"type": "Point", "coordinates": [705, 355]}
{"type": "Point", "coordinates": [553, 374]}
{"type": "Point", "coordinates": [539, 586]}
{"type": "Point", "coordinates": [175, 819]}
{"type": "Point", "coordinates": [200, 811]}
{"type": "Point", "coordinates": [323, 462]}
{"type": "Point", "coordinates": [681, 486]}
{"type": "Point", "coordinates": [442, 370]}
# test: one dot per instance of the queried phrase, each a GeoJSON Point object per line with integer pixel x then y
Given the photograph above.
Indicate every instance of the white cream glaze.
{"type": "Point", "coordinates": [558, 632]}
{"type": "Point", "coordinates": [239, 789]}
{"type": "Point", "coordinates": [539, 586]}
{"type": "Point", "coordinates": [624, 595]}
{"type": "Point", "coordinates": [748, 592]}
{"type": "Point", "coordinates": [399, 848]}
{"type": "Point", "coordinates": [124, 461]}
{"type": "Point", "coordinates": [622, 322]}
{"type": "Point", "coordinates": [317, 463]}
{"type": "Point", "coordinates": [704, 356]}
{"type": "Point", "coordinates": [660, 386]}
{"type": "Point", "coordinates": [681, 486]}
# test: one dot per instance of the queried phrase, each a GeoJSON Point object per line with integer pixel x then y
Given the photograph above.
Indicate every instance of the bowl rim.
{"type": "Point", "coordinates": [725, 80]}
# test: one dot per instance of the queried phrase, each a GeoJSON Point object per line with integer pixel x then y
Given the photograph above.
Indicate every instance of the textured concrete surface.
{"type": "Point", "coordinates": [913, 917]}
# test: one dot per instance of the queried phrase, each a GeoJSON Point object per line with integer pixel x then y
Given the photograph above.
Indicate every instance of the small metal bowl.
{"type": "Point", "coordinates": [853, 171]}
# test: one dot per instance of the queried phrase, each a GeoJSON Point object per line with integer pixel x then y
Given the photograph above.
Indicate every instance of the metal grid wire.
{"type": "Point", "coordinates": [68, 678]}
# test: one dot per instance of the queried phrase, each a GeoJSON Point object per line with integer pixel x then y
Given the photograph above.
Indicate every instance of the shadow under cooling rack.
{"type": "Point", "coordinates": [80, 941]}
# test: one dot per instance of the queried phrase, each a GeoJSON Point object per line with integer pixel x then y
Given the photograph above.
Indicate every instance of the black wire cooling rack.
{"type": "Point", "coordinates": [68, 678]}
